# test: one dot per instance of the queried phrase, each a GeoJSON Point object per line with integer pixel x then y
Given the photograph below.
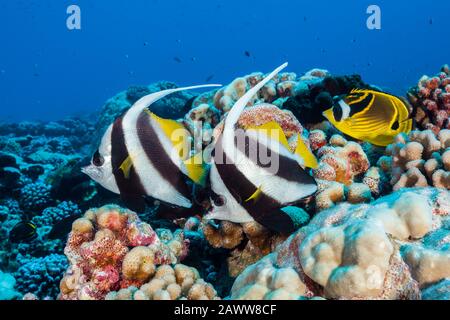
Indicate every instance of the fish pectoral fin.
{"type": "Point", "coordinates": [255, 196]}
{"type": "Point", "coordinates": [278, 221]}
{"type": "Point", "coordinates": [197, 169]}
{"type": "Point", "coordinates": [303, 151]}
{"type": "Point", "coordinates": [176, 132]}
{"type": "Point", "coordinates": [273, 130]}
{"type": "Point", "coordinates": [126, 167]}
{"type": "Point", "coordinates": [134, 202]}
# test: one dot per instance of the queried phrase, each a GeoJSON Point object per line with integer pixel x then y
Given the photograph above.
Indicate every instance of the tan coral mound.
{"type": "Point", "coordinates": [339, 175]}
{"type": "Point", "coordinates": [418, 160]}
{"type": "Point", "coordinates": [179, 282]}
{"type": "Point", "coordinates": [258, 241]}
{"type": "Point", "coordinates": [393, 248]}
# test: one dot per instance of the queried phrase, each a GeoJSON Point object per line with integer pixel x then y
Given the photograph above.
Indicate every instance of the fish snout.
{"type": "Point", "coordinates": [92, 171]}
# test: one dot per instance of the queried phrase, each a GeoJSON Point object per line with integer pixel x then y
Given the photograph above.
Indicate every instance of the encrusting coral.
{"type": "Point", "coordinates": [431, 101]}
{"type": "Point", "coordinates": [393, 248]}
{"type": "Point", "coordinates": [418, 160]}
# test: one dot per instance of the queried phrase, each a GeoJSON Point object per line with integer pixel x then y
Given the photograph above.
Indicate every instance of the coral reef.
{"type": "Point", "coordinates": [275, 92]}
{"type": "Point", "coordinates": [111, 248]}
{"type": "Point", "coordinates": [394, 248]}
{"type": "Point", "coordinates": [431, 101]}
{"type": "Point", "coordinates": [315, 92]}
{"type": "Point", "coordinates": [378, 227]}
{"type": "Point", "coordinates": [418, 160]}
{"type": "Point", "coordinates": [179, 282]}
{"type": "Point", "coordinates": [38, 276]}
{"type": "Point", "coordinates": [341, 170]}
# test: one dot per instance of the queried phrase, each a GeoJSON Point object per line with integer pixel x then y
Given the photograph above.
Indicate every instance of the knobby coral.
{"type": "Point", "coordinates": [394, 248]}
{"type": "Point", "coordinates": [111, 248]}
{"type": "Point", "coordinates": [418, 160]}
{"type": "Point", "coordinates": [431, 101]}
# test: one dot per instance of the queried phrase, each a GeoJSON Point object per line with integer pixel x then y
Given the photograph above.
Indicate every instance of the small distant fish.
{"type": "Point", "coordinates": [62, 228]}
{"type": "Point", "coordinates": [209, 78]}
{"type": "Point", "coordinates": [243, 189]}
{"type": "Point", "coordinates": [247, 54]}
{"type": "Point", "coordinates": [371, 116]}
{"type": "Point", "coordinates": [431, 21]}
{"type": "Point", "coordinates": [176, 59]}
{"type": "Point", "coordinates": [23, 231]}
{"type": "Point", "coordinates": [193, 59]}
{"type": "Point", "coordinates": [142, 154]}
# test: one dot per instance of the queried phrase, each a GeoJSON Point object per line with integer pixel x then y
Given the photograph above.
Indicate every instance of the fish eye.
{"type": "Point", "coordinates": [97, 159]}
{"type": "Point", "coordinates": [395, 125]}
{"type": "Point", "coordinates": [337, 112]}
{"type": "Point", "coordinates": [219, 201]}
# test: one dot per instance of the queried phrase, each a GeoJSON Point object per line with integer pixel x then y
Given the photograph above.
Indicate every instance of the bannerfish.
{"type": "Point", "coordinates": [371, 116]}
{"type": "Point", "coordinates": [142, 154]}
{"type": "Point", "coordinates": [246, 188]}
{"type": "Point", "coordinates": [23, 231]}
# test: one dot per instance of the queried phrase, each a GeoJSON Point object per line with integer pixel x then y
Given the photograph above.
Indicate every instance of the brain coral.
{"type": "Point", "coordinates": [418, 160]}
{"type": "Point", "coordinates": [393, 248]}
{"type": "Point", "coordinates": [431, 101]}
{"type": "Point", "coordinates": [110, 248]}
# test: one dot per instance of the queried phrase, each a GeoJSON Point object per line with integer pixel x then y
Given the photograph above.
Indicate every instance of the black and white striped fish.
{"type": "Point", "coordinates": [247, 188]}
{"type": "Point", "coordinates": [142, 154]}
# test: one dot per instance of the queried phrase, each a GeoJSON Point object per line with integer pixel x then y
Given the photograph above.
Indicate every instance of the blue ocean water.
{"type": "Point", "coordinates": [48, 72]}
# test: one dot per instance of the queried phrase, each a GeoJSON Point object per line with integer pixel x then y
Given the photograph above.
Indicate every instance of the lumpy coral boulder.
{"type": "Point", "coordinates": [110, 249]}
{"type": "Point", "coordinates": [396, 247]}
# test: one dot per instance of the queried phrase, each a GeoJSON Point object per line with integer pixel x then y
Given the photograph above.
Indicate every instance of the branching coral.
{"type": "Point", "coordinates": [40, 276]}
{"type": "Point", "coordinates": [35, 196]}
{"type": "Point", "coordinates": [431, 101]}
{"type": "Point", "coordinates": [418, 160]}
{"type": "Point", "coordinates": [390, 249]}
{"type": "Point", "coordinates": [110, 248]}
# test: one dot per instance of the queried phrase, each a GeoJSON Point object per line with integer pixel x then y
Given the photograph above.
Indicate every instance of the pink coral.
{"type": "Point", "coordinates": [431, 101]}
{"type": "Point", "coordinates": [111, 248]}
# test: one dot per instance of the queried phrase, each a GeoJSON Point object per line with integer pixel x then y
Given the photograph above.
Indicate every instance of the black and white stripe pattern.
{"type": "Point", "coordinates": [236, 174]}
{"type": "Point", "coordinates": [155, 170]}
